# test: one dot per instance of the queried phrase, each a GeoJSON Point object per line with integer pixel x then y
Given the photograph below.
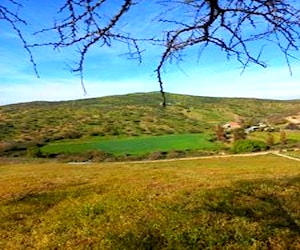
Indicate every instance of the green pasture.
{"type": "Point", "coordinates": [219, 203]}
{"type": "Point", "coordinates": [135, 145]}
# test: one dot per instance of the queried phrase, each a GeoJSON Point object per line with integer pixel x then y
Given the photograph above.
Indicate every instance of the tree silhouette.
{"type": "Point", "coordinates": [233, 26]}
{"type": "Point", "coordinates": [9, 14]}
{"type": "Point", "coordinates": [238, 134]}
{"type": "Point", "coordinates": [220, 134]}
{"type": "Point", "coordinates": [282, 137]}
{"type": "Point", "coordinates": [270, 140]}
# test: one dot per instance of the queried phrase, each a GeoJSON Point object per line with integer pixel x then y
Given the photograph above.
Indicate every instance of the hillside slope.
{"type": "Point", "coordinates": [131, 115]}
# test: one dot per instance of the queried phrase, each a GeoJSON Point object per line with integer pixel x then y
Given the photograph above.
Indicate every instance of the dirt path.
{"type": "Point", "coordinates": [216, 157]}
{"type": "Point", "coordinates": [287, 156]}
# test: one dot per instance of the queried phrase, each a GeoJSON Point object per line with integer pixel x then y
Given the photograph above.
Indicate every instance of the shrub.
{"type": "Point", "coordinates": [292, 126]}
{"type": "Point", "coordinates": [97, 155]}
{"type": "Point", "coordinates": [157, 156]}
{"type": "Point", "coordinates": [33, 151]}
{"type": "Point", "coordinates": [72, 158]}
{"type": "Point", "coordinates": [238, 134]}
{"type": "Point", "coordinates": [283, 137]}
{"type": "Point", "coordinates": [5, 146]}
{"type": "Point", "coordinates": [175, 154]}
{"type": "Point", "coordinates": [244, 146]}
{"type": "Point", "coordinates": [16, 149]}
{"type": "Point", "coordinates": [71, 134]}
{"type": "Point", "coordinates": [96, 133]}
{"type": "Point", "coordinates": [270, 140]}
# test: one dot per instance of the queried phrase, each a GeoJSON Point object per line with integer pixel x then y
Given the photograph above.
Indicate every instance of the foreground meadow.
{"type": "Point", "coordinates": [221, 203]}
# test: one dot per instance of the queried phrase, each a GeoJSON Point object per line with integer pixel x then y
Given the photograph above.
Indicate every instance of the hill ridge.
{"type": "Point", "coordinates": [132, 115]}
{"type": "Point", "coordinates": [168, 94]}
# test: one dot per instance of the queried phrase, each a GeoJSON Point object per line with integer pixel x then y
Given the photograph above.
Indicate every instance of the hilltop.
{"type": "Point", "coordinates": [133, 115]}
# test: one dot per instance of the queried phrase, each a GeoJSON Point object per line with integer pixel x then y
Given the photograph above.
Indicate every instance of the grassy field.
{"type": "Point", "coordinates": [135, 145]}
{"type": "Point", "coordinates": [220, 203]}
{"type": "Point", "coordinates": [293, 135]}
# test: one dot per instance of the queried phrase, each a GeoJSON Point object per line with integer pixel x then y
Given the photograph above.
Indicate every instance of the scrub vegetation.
{"type": "Point", "coordinates": [135, 125]}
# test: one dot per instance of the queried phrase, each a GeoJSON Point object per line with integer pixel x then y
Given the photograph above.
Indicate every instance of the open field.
{"type": "Point", "coordinates": [135, 145]}
{"type": "Point", "coordinates": [226, 203]}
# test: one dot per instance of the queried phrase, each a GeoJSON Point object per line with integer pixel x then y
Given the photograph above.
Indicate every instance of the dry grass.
{"type": "Point", "coordinates": [228, 203]}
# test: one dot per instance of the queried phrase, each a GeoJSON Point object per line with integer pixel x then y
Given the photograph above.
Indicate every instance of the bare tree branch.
{"type": "Point", "coordinates": [233, 26]}
{"type": "Point", "coordinates": [12, 18]}
{"type": "Point", "coordinates": [84, 28]}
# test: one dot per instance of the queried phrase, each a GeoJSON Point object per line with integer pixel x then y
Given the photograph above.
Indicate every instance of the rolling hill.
{"type": "Point", "coordinates": [132, 115]}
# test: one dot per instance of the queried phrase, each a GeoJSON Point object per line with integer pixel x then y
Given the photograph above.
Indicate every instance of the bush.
{"type": "Point", "coordinates": [175, 154]}
{"type": "Point", "coordinates": [96, 133]}
{"type": "Point", "coordinates": [72, 157]}
{"type": "Point", "coordinates": [97, 155]}
{"type": "Point", "coordinates": [292, 126]}
{"type": "Point", "coordinates": [157, 155]}
{"type": "Point", "coordinates": [238, 134]}
{"type": "Point", "coordinates": [33, 151]}
{"type": "Point", "coordinates": [5, 146]}
{"type": "Point", "coordinates": [71, 134]}
{"type": "Point", "coordinates": [244, 146]}
{"type": "Point", "coordinates": [16, 149]}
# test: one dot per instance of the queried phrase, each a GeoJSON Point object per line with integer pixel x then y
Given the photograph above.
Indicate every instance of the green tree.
{"type": "Point", "coordinates": [33, 151]}
{"type": "Point", "coordinates": [282, 137]}
{"type": "Point", "coordinates": [244, 146]}
{"type": "Point", "coordinates": [239, 134]}
{"type": "Point", "coordinates": [270, 140]}
{"type": "Point", "coordinates": [220, 134]}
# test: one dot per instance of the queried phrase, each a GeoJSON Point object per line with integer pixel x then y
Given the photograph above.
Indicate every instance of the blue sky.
{"type": "Point", "coordinates": [108, 73]}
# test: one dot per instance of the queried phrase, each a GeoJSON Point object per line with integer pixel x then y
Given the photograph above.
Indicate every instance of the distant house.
{"type": "Point", "coordinates": [232, 125]}
{"type": "Point", "coordinates": [251, 129]}
{"type": "Point", "coordinates": [260, 126]}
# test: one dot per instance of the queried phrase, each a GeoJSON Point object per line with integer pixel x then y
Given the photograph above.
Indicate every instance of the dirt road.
{"type": "Point", "coordinates": [217, 156]}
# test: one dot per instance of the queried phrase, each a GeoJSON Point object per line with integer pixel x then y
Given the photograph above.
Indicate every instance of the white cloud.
{"type": "Point", "coordinates": [272, 83]}
{"type": "Point", "coordinates": [68, 89]}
